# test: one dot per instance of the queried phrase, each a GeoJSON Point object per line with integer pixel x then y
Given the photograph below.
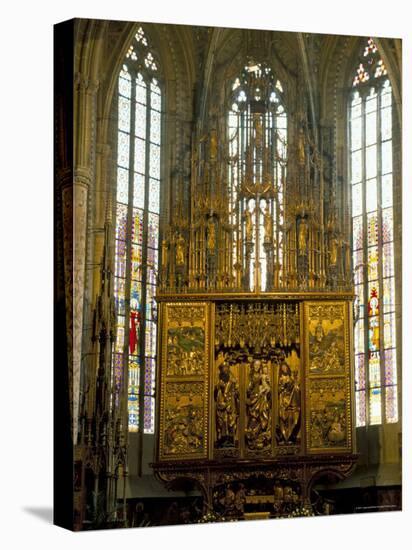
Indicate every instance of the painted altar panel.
{"type": "Point", "coordinates": [328, 380]}
{"type": "Point", "coordinates": [184, 374]}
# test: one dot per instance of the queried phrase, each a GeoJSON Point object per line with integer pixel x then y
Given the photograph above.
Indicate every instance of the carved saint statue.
{"type": "Point", "coordinates": [258, 131]}
{"type": "Point", "coordinates": [258, 406]}
{"type": "Point", "coordinates": [211, 235]}
{"type": "Point", "coordinates": [333, 253]}
{"type": "Point", "coordinates": [302, 237]}
{"type": "Point", "coordinates": [288, 404]}
{"type": "Point", "coordinates": [249, 226]}
{"type": "Point", "coordinates": [226, 396]}
{"type": "Point", "coordinates": [180, 250]}
{"type": "Point", "coordinates": [268, 224]}
{"type": "Point", "coordinates": [165, 245]}
{"type": "Point", "coordinates": [213, 145]}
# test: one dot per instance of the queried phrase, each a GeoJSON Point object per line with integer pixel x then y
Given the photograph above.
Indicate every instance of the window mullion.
{"type": "Point", "coordinates": [380, 254]}
{"type": "Point", "coordinates": [365, 263]}
{"type": "Point", "coordinates": [142, 348]}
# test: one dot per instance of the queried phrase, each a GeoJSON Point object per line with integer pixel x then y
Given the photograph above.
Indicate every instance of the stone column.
{"type": "Point", "coordinates": [75, 219]}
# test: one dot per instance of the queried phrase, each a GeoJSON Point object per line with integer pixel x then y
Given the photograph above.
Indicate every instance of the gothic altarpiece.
{"type": "Point", "coordinates": [255, 298]}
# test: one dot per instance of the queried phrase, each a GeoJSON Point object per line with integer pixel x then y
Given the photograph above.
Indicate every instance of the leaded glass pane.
{"type": "Point", "coordinates": [123, 145]}
{"type": "Point", "coordinates": [389, 330]}
{"type": "Point", "coordinates": [374, 336]}
{"type": "Point", "coordinates": [122, 185]}
{"type": "Point", "coordinates": [357, 232]}
{"type": "Point", "coordinates": [386, 157]}
{"type": "Point", "coordinates": [371, 102]}
{"type": "Point", "coordinates": [141, 89]}
{"type": "Point", "coordinates": [119, 345]}
{"type": "Point", "coordinates": [360, 300]}
{"type": "Point", "coordinates": [387, 225]}
{"type": "Point", "coordinates": [140, 156]}
{"type": "Point", "coordinates": [371, 196]}
{"type": "Point", "coordinates": [140, 123]}
{"type": "Point", "coordinates": [153, 230]}
{"type": "Point", "coordinates": [149, 404]}
{"type": "Point", "coordinates": [119, 295]}
{"type": "Point", "coordinates": [138, 191]}
{"type": "Point", "coordinates": [154, 195]}
{"type": "Point", "coordinates": [155, 101]}
{"type": "Point", "coordinates": [371, 128]}
{"type": "Point", "coordinates": [150, 339]}
{"type": "Point", "coordinates": [375, 412]}
{"type": "Point", "coordinates": [390, 367]}
{"type": "Point", "coordinates": [133, 409]}
{"type": "Point", "coordinates": [386, 95]}
{"type": "Point", "coordinates": [120, 257]}
{"type": "Point", "coordinates": [356, 200]}
{"type": "Point", "coordinates": [358, 266]}
{"type": "Point", "coordinates": [152, 262]}
{"type": "Point", "coordinates": [373, 263]}
{"type": "Point", "coordinates": [154, 161]}
{"type": "Point", "coordinates": [124, 114]}
{"type": "Point", "coordinates": [356, 134]}
{"type": "Point", "coordinates": [374, 370]}
{"type": "Point", "coordinates": [118, 369]}
{"type": "Point", "coordinates": [135, 293]}
{"type": "Point", "coordinates": [373, 229]}
{"type": "Point", "coordinates": [359, 336]}
{"type": "Point", "coordinates": [388, 270]}
{"type": "Point", "coordinates": [149, 381]}
{"type": "Point", "coordinates": [121, 221]}
{"type": "Point", "coordinates": [388, 295]}
{"type": "Point", "coordinates": [137, 229]}
{"type": "Point", "coordinates": [386, 123]}
{"type": "Point", "coordinates": [155, 127]}
{"type": "Point", "coordinates": [371, 162]}
{"type": "Point", "coordinates": [391, 403]}
{"type": "Point", "coordinates": [150, 303]}
{"type": "Point", "coordinates": [387, 191]}
{"type": "Point", "coordinates": [356, 166]}
{"type": "Point", "coordinates": [360, 379]}
{"type": "Point", "coordinates": [136, 270]}
{"type": "Point", "coordinates": [125, 83]}
{"type": "Point", "coordinates": [360, 408]}
{"type": "Point", "coordinates": [356, 109]}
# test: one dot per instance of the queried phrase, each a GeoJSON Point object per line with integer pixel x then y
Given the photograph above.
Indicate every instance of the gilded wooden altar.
{"type": "Point", "coordinates": [255, 390]}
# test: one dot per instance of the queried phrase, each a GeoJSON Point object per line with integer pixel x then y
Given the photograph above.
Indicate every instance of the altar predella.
{"type": "Point", "coordinates": [228, 274]}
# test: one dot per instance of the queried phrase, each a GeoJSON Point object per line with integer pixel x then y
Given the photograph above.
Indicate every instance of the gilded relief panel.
{"type": "Point", "coordinates": [184, 419]}
{"type": "Point", "coordinates": [184, 381]}
{"type": "Point", "coordinates": [328, 427]}
{"type": "Point", "coordinates": [326, 340]}
{"type": "Point", "coordinates": [328, 386]}
{"type": "Point", "coordinates": [185, 351]}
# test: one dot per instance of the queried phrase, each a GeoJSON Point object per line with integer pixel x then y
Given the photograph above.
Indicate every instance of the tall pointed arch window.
{"type": "Point", "coordinates": [137, 229]}
{"type": "Point", "coordinates": [370, 141]}
{"type": "Point", "coordinates": [257, 138]}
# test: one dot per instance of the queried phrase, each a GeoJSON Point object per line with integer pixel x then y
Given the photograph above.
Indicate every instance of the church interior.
{"type": "Point", "coordinates": [228, 278]}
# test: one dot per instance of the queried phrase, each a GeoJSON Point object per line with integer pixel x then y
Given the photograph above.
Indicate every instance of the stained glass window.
{"type": "Point", "coordinates": [370, 163]}
{"type": "Point", "coordinates": [137, 229]}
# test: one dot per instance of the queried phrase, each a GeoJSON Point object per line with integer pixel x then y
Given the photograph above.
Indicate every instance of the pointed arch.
{"type": "Point", "coordinates": [139, 139]}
